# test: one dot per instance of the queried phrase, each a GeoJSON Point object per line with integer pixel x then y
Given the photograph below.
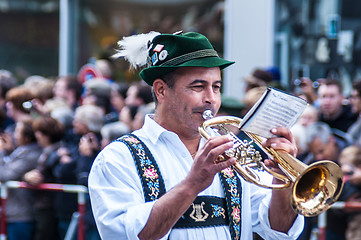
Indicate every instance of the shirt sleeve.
{"type": "Point", "coordinates": [263, 227]}
{"type": "Point", "coordinates": [116, 194]}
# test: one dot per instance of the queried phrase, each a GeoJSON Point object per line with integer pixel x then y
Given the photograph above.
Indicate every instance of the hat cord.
{"type": "Point", "coordinates": [190, 56]}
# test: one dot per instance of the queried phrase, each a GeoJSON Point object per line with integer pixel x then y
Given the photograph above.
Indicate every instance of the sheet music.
{"type": "Point", "coordinates": [274, 109]}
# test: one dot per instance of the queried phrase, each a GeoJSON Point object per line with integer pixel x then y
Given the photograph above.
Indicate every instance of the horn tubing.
{"type": "Point", "coordinates": [315, 187]}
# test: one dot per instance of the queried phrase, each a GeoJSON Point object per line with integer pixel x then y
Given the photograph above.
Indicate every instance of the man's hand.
{"type": "Point", "coordinates": [206, 164]}
{"type": "Point", "coordinates": [281, 214]}
{"type": "Point", "coordinates": [33, 177]}
{"type": "Point", "coordinates": [285, 142]}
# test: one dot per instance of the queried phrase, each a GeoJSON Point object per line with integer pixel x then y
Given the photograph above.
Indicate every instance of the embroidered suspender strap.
{"type": "Point", "coordinates": [205, 211]}
{"type": "Point", "coordinates": [148, 171]}
{"type": "Point", "coordinates": [233, 191]}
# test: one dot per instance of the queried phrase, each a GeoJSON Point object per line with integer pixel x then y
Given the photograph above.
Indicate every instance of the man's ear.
{"type": "Point", "coordinates": [159, 88]}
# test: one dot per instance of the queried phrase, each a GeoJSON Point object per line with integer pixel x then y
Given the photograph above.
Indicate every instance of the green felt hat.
{"type": "Point", "coordinates": [167, 52]}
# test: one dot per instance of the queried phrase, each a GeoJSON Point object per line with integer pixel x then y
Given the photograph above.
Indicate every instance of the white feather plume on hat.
{"type": "Point", "coordinates": [134, 48]}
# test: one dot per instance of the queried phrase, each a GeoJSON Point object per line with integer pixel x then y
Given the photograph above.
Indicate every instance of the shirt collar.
{"type": "Point", "coordinates": [152, 128]}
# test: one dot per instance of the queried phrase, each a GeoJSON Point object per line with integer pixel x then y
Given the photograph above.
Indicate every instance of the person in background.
{"type": "Point", "coordinates": [332, 109]}
{"type": "Point", "coordinates": [308, 91]}
{"type": "Point", "coordinates": [49, 133]}
{"type": "Point", "coordinates": [117, 101]}
{"type": "Point", "coordinates": [139, 117]}
{"type": "Point", "coordinates": [68, 88]}
{"type": "Point", "coordinates": [42, 91]}
{"type": "Point", "coordinates": [15, 99]}
{"type": "Point", "coordinates": [179, 173]}
{"type": "Point", "coordinates": [276, 76]}
{"type": "Point", "coordinates": [97, 92]}
{"type": "Point", "coordinates": [251, 98]}
{"type": "Point", "coordinates": [139, 94]}
{"type": "Point", "coordinates": [112, 131]}
{"type": "Point", "coordinates": [76, 159]}
{"type": "Point", "coordinates": [19, 207]}
{"type": "Point", "coordinates": [355, 100]}
{"type": "Point", "coordinates": [88, 122]}
{"type": "Point", "coordinates": [7, 81]}
{"type": "Point", "coordinates": [258, 78]}
{"type": "Point", "coordinates": [350, 162]}
{"type": "Point", "coordinates": [231, 106]}
{"type": "Point", "coordinates": [322, 144]}
{"type": "Point", "coordinates": [118, 95]}
{"type": "Point", "coordinates": [105, 68]}
{"type": "Point", "coordinates": [299, 130]}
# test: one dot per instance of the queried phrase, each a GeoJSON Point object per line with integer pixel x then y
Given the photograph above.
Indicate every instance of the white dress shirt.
{"type": "Point", "coordinates": [118, 201]}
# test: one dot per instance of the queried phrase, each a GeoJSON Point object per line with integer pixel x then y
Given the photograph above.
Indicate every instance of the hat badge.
{"type": "Point", "coordinates": [163, 55]}
{"type": "Point", "coordinates": [154, 59]}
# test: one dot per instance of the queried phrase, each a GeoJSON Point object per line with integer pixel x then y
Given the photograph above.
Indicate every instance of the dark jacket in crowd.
{"type": "Point", "coordinates": [20, 202]}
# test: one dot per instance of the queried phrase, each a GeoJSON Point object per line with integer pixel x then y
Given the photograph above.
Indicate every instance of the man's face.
{"type": "Point", "coordinates": [331, 100]}
{"type": "Point", "coordinates": [132, 97]}
{"type": "Point", "coordinates": [355, 100]}
{"type": "Point", "coordinates": [308, 118]}
{"type": "Point", "coordinates": [60, 90]}
{"type": "Point", "coordinates": [79, 126]}
{"type": "Point", "coordinates": [324, 151]}
{"type": "Point", "coordinates": [196, 89]}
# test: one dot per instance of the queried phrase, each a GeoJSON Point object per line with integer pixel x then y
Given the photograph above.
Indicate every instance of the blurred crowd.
{"type": "Point", "coordinates": [328, 129]}
{"type": "Point", "coordinates": [52, 130]}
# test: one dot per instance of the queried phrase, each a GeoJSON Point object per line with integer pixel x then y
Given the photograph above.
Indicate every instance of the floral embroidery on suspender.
{"type": "Point", "coordinates": [233, 189]}
{"type": "Point", "coordinates": [152, 181]}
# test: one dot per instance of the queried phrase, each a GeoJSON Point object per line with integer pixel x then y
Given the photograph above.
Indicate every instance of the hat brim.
{"type": "Point", "coordinates": [153, 72]}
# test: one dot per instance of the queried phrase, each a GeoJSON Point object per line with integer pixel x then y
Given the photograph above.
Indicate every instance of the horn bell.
{"type": "Point", "coordinates": [319, 185]}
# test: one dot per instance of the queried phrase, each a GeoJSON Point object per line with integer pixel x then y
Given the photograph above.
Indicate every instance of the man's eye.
{"type": "Point", "coordinates": [217, 88]}
{"type": "Point", "coordinates": [198, 87]}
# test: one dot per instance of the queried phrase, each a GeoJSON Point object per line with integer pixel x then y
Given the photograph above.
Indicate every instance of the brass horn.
{"type": "Point", "coordinates": [314, 187]}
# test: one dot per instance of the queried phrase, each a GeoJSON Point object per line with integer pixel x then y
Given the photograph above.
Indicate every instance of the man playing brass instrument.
{"type": "Point", "coordinates": [164, 182]}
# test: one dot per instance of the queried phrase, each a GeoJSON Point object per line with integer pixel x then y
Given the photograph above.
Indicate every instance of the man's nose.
{"type": "Point", "coordinates": [210, 96]}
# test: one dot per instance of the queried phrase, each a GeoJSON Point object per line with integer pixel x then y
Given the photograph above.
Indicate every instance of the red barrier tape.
{"type": "Point", "coordinates": [79, 189]}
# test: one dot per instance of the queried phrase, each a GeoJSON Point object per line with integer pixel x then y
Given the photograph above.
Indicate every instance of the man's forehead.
{"type": "Point", "coordinates": [325, 89]}
{"type": "Point", "coordinates": [317, 143]}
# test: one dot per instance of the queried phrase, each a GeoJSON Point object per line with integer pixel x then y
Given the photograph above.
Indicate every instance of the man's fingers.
{"type": "Point", "coordinates": [285, 141]}
{"type": "Point", "coordinates": [225, 164]}
{"type": "Point", "coordinates": [271, 164]}
{"type": "Point", "coordinates": [216, 146]}
{"type": "Point", "coordinates": [283, 132]}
